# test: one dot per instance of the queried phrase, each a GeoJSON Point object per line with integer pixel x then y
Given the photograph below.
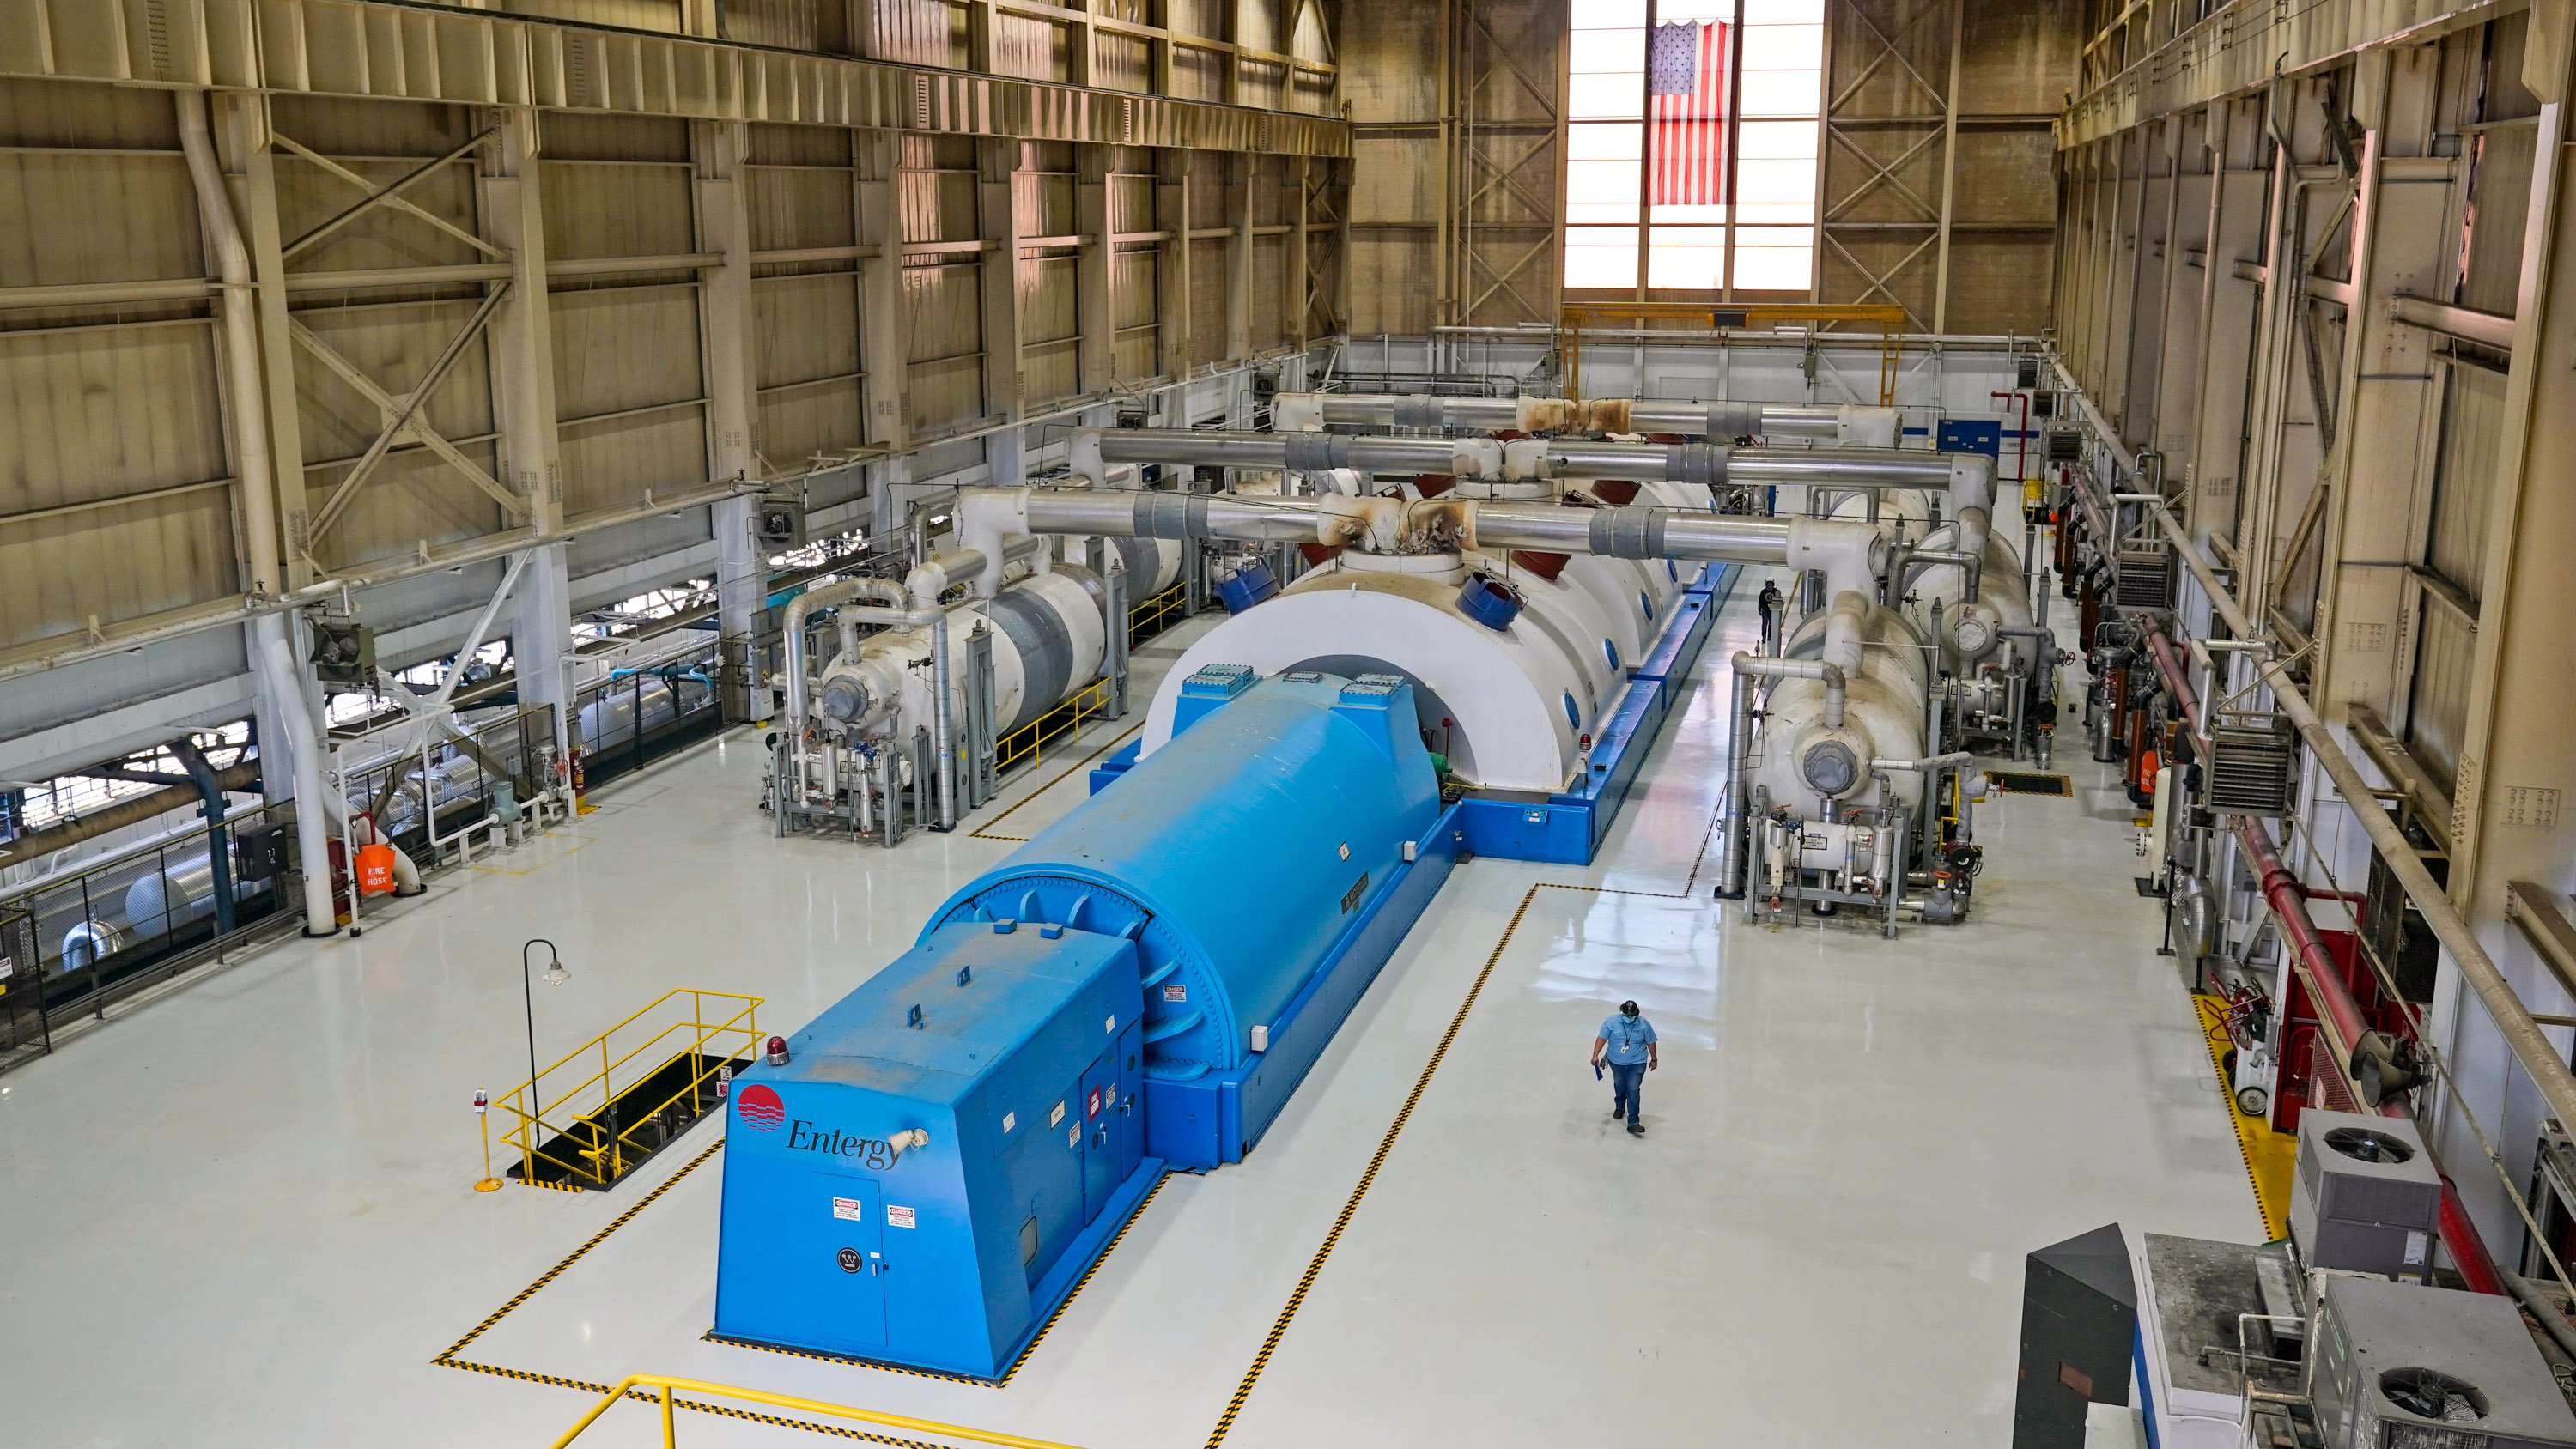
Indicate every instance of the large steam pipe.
{"type": "Point", "coordinates": [1732, 853]}
{"type": "Point", "coordinates": [275, 662]}
{"type": "Point", "coordinates": [1968, 475]}
{"type": "Point", "coordinates": [36, 843]}
{"type": "Point", "coordinates": [2289, 903]}
{"type": "Point", "coordinates": [1847, 552]}
{"type": "Point", "coordinates": [1313, 411]}
{"type": "Point", "coordinates": [272, 657]}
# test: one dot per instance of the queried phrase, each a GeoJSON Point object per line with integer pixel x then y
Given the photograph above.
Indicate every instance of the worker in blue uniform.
{"type": "Point", "coordinates": [1627, 1041]}
{"type": "Point", "coordinates": [1769, 605]}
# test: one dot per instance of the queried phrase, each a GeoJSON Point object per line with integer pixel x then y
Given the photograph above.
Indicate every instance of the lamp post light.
{"type": "Point", "coordinates": [555, 975]}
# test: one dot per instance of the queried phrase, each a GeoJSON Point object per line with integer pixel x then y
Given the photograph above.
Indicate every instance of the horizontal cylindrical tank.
{"type": "Point", "coordinates": [609, 720]}
{"type": "Point", "coordinates": [1974, 635]}
{"type": "Point", "coordinates": [1049, 640]}
{"type": "Point", "coordinates": [1235, 856]}
{"type": "Point", "coordinates": [178, 895]}
{"type": "Point", "coordinates": [1802, 760]}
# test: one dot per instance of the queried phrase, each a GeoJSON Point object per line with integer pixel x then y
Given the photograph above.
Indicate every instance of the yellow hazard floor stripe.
{"type": "Point", "coordinates": [985, 831]}
{"type": "Point", "coordinates": [2268, 1154]}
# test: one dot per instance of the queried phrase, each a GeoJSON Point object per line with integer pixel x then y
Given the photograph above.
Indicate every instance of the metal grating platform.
{"type": "Point", "coordinates": [2024, 782]}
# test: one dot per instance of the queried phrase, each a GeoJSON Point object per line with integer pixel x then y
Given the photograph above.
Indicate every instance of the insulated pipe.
{"type": "Point", "coordinates": [1969, 476]}
{"type": "Point", "coordinates": [134, 811]}
{"type": "Point", "coordinates": [258, 491]}
{"type": "Point", "coordinates": [1734, 855]}
{"type": "Point", "coordinates": [1846, 622]}
{"type": "Point", "coordinates": [274, 659]}
{"type": "Point", "coordinates": [1928, 764]}
{"type": "Point", "coordinates": [1313, 411]}
{"type": "Point", "coordinates": [269, 647]}
{"type": "Point", "coordinates": [1847, 552]}
{"type": "Point", "coordinates": [219, 856]}
{"type": "Point", "coordinates": [2289, 903]}
{"type": "Point", "coordinates": [812, 601]}
{"type": "Point", "coordinates": [933, 577]}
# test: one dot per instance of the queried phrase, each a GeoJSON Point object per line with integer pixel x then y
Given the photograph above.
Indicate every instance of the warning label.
{"type": "Point", "coordinates": [898, 1217]}
{"type": "Point", "coordinates": [1176, 992]}
{"type": "Point", "coordinates": [846, 1209]}
{"type": "Point", "coordinates": [1093, 1108]}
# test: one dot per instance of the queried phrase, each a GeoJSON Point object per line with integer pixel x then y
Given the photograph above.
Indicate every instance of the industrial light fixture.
{"type": "Point", "coordinates": [556, 975]}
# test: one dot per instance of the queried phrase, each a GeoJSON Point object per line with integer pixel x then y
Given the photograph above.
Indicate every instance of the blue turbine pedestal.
{"type": "Point", "coordinates": [1141, 986]}
{"type": "Point", "coordinates": [1566, 828]}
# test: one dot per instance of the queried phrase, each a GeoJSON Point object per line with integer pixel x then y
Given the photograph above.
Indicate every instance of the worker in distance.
{"type": "Point", "coordinates": [1628, 1042]}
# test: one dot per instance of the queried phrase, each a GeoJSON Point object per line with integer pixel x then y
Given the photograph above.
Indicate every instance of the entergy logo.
{"type": "Point", "coordinates": [759, 1106]}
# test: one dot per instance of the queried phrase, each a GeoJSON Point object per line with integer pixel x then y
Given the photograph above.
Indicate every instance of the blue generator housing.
{"type": "Point", "coordinates": [1139, 988]}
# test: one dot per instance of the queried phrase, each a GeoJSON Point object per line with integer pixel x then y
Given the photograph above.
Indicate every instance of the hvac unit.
{"type": "Point", "coordinates": [2025, 372]}
{"type": "Point", "coordinates": [2143, 576]}
{"type": "Point", "coordinates": [2400, 1367]}
{"type": "Point", "coordinates": [344, 652]}
{"type": "Point", "coordinates": [2065, 445]}
{"type": "Point", "coordinates": [2365, 1198]}
{"type": "Point", "coordinates": [1265, 385]}
{"type": "Point", "coordinates": [780, 522]}
{"type": "Point", "coordinates": [2252, 761]}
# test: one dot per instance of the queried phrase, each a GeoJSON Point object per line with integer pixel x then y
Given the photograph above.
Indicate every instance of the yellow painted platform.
{"type": "Point", "coordinates": [2268, 1154]}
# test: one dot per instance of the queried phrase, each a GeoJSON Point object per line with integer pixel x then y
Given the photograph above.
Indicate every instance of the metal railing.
{"type": "Point", "coordinates": [1154, 615]}
{"type": "Point", "coordinates": [81, 940]}
{"type": "Point", "coordinates": [664, 1390]}
{"type": "Point", "coordinates": [634, 717]}
{"type": "Point", "coordinates": [1028, 743]}
{"type": "Point", "coordinates": [421, 798]}
{"type": "Point", "coordinates": [594, 1137]}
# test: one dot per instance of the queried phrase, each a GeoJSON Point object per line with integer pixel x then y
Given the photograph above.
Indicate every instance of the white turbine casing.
{"type": "Point", "coordinates": [891, 671]}
{"type": "Point", "coordinates": [1973, 636]}
{"type": "Point", "coordinates": [1882, 716]}
{"type": "Point", "coordinates": [1504, 689]}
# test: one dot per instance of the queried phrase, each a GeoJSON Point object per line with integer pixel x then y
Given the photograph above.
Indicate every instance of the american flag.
{"type": "Point", "coordinates": [1686, 115]}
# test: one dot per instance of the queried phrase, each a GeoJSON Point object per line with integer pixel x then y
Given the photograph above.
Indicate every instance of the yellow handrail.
{"type": "Point", "coordinates": [1029, 742]}
{"type": "Point", "coordinates": [1155, 610]}
{"type": "Point", "coordinates": [670, 1388]}
{"type": "Point", "coordinates": [527, 1103]}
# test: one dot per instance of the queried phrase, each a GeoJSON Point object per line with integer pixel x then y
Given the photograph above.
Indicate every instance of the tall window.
{"type": "Point", "coordinates": [1691, 145]}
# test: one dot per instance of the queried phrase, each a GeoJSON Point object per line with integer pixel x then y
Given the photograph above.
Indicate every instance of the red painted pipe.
{"type": "Point", "coordinates": [2289, 902]}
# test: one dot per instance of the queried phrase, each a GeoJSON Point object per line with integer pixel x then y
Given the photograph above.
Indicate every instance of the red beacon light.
{"type": "Point", "coordinates": [777, 1051]}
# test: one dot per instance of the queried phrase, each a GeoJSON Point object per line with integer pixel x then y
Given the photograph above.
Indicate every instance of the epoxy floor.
{"type": "Point", "coordinates": [244, 1216]}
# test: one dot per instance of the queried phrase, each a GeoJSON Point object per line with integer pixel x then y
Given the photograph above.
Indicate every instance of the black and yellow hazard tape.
{"type": "Point", "coordinates": [985, 832]}
{"type": "Point", "coordinates": [446, 1360]}
{"type": "Point", "coordinates": [2254, 1136]}
{"type": "Point", "coordinates": [711, 1336]}
{"type": "Point", "coordinates": [1368, 1177]}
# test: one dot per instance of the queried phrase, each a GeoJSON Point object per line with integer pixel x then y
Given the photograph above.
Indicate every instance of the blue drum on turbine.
{"type": "Point", "coordinates": [1142, 986]}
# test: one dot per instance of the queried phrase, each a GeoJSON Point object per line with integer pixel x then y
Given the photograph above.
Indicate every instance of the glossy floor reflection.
{"type": "Point", "coordinates": [243, 1216]}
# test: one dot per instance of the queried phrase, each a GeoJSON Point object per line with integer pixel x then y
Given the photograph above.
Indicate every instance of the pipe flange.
{"type": "Point", "coordinates": [1830, 766]}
